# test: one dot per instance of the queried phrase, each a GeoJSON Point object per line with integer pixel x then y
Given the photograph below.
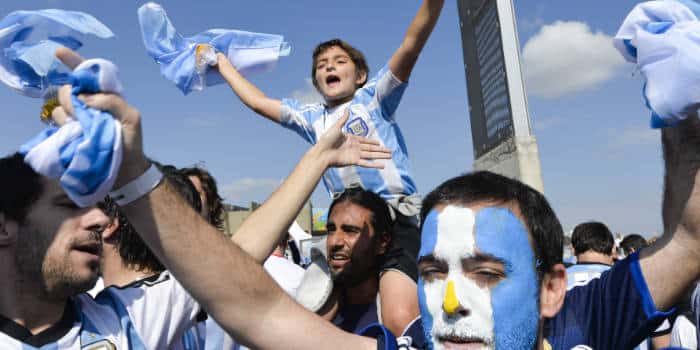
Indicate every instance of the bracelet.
{"type": "Point", "coordinates": [138, 188]}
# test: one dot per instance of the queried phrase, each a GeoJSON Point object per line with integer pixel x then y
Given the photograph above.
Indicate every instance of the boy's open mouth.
{"type": "Point", "coordinates": [332, 80]}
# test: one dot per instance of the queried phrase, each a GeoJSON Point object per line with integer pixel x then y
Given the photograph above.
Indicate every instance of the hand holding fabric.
{"type": "Point", "coordinates": [28, 40]}
{"type": "Point", "coordinates": [663, 39]}
{"type": "Point", "coordinates": [177, 56]}
{"type": "Point", "coordinates": [85, 153]}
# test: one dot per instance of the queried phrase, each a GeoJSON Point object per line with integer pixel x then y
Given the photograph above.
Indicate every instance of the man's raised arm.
{"type": "Point", "coordinates": [259, 234]}
{"type": "Point", "coordinates": [672, 264]}
{"type": "Point", "coordinates": [405, 57]}
{"type": "Point", "coordinates": [227, 282]}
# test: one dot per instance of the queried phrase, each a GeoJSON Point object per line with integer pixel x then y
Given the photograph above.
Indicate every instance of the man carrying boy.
{"type": "Point", "coordinates": [340, 74]}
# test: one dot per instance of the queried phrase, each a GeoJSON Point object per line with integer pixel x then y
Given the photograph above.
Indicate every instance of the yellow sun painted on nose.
{"type": "Point", "coordinates": [450, 304]}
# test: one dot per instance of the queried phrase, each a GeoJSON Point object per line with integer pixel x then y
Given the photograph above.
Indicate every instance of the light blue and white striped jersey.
{"type": "Point", "coordinates": [152, 314]}
{"type": "Point", "coordinates": [582, 273]}
{"type": "Point", "coordinates": [371, 115]}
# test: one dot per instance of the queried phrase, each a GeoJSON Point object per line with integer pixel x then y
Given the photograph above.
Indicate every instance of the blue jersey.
{"type": "Point", "coordinates": [150, 314]}
{"type": "Point", "coordinates": [581, 274]}
{"type": "Point", "coordinates": [615, 311]}
{"type": "Point", "coordinates": [371, 115]}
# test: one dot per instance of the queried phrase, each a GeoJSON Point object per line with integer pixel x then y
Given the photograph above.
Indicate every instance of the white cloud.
{"type": "Point", "coordinates": [248, 189]}
{"type": "Point", "coordinates": [308, 93]}
{"type": "Point", "coordinates": [567, 57]}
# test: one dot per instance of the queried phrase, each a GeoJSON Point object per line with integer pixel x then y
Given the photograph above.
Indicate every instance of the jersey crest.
{"type": "Point", "coordinates": [357, 127]}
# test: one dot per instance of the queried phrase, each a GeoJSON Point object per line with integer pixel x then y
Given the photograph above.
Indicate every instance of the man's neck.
{"type": "Point", "coordinates": [594, 257]}
{"type": "Point", "coordinates": [25, 302]}
{"type": "Point", "coordinates": [116, 273]}
{"type": "Point", "coordinates": [363, 293]}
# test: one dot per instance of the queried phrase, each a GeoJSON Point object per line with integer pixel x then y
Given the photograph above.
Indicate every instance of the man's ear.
{"type": "Point", "coordinates": [110, 230]}
{"type": "Point", "coordinates": [552, 291]}
{"type": "Point", "coordinates": [8, 231]}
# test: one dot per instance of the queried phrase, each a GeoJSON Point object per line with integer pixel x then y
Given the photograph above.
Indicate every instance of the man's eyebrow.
{"type": "Point", "coordinates": [483, 257]}
{"type": "Point", "coordinates": [347, 227]}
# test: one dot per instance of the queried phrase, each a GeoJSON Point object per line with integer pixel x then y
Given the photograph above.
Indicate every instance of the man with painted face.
{"type": "Point", "coordinates": [491, 272]}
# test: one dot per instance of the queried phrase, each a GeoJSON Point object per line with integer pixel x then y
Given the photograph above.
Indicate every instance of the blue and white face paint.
{"type": "Point", "coordinates": [454, 307]}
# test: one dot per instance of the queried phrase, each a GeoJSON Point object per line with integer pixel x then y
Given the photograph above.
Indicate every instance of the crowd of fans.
{"type": "Point", "coordinates": [478, 263]}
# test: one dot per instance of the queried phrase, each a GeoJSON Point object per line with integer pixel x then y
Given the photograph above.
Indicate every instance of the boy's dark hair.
{"type": "Point", "coordinates": [20, 187]}
{"type": "Point", "coordinates": [633, 242]}
{"type": "Point", "coordinates": [214, 201]}
{"type": "Point", "coordinates": [132, 249]}
{"type": "Point", "coordinates": [381, 218]}
{"type": "Point", "coordinates": [356, 56]}
{"type": "Point", "coordinates": [483, 186]}
{"type": "Point", "coordinates": [593, 236]}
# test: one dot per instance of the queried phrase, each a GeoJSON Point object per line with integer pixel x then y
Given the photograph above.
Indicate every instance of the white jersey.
{"type": "Point", "coordinates": [287, 275]}
{"type": "Point", "coordinates": [148, 314]}
{"type": "Point", "coordinates": [372, 116]}
{"type": "Point", "coordinates": [684, 333]}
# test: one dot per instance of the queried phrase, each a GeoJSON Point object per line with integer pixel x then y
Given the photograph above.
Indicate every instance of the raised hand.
{"type": "Point", "coordinates": [134, 162]}
{"type": "Point", "coordinates": [342, 149]}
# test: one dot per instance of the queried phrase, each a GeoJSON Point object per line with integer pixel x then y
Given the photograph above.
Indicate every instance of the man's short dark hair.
{"type": "Point", "coordinates": [484, 186]}
{"type": "Point", "coordinates": [381, 218]}
{"type": "Point", "coordinates": [356, 56]}
{"type": "Point", "coordinates": [20, 187]}
{"type": "Point", "coordinates": [132, 249]}
{"type": "Point", "coordinates": [632, 243]}
{"type": "Point", "coordinates": [215, 216]}
{"type": "Point", "coordinates": [592, 236]}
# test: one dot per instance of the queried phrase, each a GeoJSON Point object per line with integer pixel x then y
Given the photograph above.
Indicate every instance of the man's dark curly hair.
{"type": "Point", "coordinates": [215, 216]}
{"type": "Point", "coordinates": [133, 250]}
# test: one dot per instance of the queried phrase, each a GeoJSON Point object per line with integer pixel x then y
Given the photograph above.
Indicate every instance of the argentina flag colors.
{"type": "Point", "coordinates": [661, 37]}
{"type": "Point", "coordinates": [249, 52]}
{"type": "Point", "coordinates": [28, 40]}
{"type": "Point", "coordinates": [85, 154]}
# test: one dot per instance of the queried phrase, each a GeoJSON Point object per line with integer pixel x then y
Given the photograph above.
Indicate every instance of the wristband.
{"type": "Point", "coordinates": [139, 187]}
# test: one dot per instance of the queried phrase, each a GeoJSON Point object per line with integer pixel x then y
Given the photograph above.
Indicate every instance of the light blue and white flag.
{"type": "Point", "coordinates": [177, 56]}
{"type": "Point", "coordinates": [85, 153]}
{"type": "Point", "coordinates": [663, 39]}
{"type": "Point", "coordinates": [28, 41]}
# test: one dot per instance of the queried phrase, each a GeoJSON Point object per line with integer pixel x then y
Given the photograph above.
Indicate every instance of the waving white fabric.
{"type": "Point", "coordinates": [185, 61]}
{"type": "Point", "coordinates": [28, 41]}
{"type": "Point", "coordinates": [663, 39]}
{"type": "Point", "coordinates": [85, 154]}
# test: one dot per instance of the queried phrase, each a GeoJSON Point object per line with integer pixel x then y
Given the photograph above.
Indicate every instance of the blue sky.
{"type": "Point", "coordinates": [600, 161]}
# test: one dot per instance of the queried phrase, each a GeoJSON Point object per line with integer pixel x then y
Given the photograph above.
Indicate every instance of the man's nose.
{"type": "Point", "coordinates": [336, 239]}
{"type": "Point", "coordinates": [95, 220]}
{"type": "Point", "coordinates": [451, 303]}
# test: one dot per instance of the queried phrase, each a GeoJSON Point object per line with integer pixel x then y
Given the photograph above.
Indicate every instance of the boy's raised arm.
{"type": "Point", "coordinates": [249, 94]}
{"type": "Point", "coordinates": [405, 57]}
